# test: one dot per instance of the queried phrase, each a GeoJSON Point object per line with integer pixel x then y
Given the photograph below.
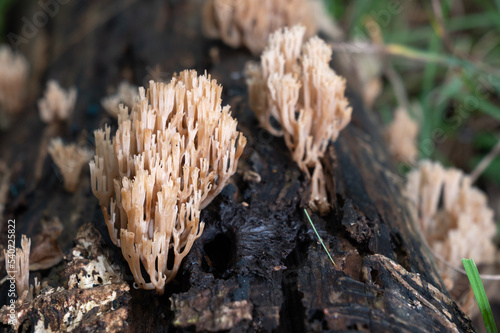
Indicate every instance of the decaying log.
{"type": "Point", "coordinates": [257, 266]}
{"type": "Point", "coordinates": [88, 294]}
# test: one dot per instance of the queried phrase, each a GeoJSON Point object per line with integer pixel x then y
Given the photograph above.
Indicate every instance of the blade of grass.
{"type": "Point", "coordinates": [480, 294]}
{"type": "Point", "coordinates": [448, 90]}
{"type": "Point", "coordinates": [489, 7]}
{"type": "Point", "coordinates": [491, 172]}
{"type": "Point", "coordinates": [431, 67]}
{"type": "Point", "coordinates": [317, 235]}
{"type": "Point", "coordinates": [410, 53]}
{"type": "Point", "coordinates": [444, 59]}
{"type": "Point", "coordinates": [409, 37]}
{"type": "Point", "coordinates": [485, 162]}
{"type": "Point", "coordinates": [473, 21]}
{"type": "Point", "coordinates": [479, 104]}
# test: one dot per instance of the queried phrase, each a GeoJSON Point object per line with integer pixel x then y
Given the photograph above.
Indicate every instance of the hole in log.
{"type": "Point", "coordinates": [220, 254]}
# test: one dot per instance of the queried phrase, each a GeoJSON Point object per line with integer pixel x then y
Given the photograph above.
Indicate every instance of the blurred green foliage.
{"type": "Point", "coordinates": [451, 71]}
{"type": "Point", "coordinates": [5, 5]}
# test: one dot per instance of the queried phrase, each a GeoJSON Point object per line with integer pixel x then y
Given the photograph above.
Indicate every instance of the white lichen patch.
{"type": "Point", "coordinates": [94, 298]}
{"type": "Point", "coordinates": [40, 326]}
{"type": "Point", "coordinates": [96, 273]}
{"type": "Point", "coordinates": [76, 312]}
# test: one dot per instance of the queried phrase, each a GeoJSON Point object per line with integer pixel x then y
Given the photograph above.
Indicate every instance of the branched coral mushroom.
{"type": "Point", "coordinates": [295, 85]}
{"type": "Point", "coordinates": [126, 94]}
{"type": "Point", "coordinates": [57, 104]}
{"type": "Point", "coordinates": [249, 22]}
{"type": "Point", "coordinates": [13, 77]}
{"type": "Point", "coordinates": [462, 226]}
{"type": "Point", "coordinates": [70, 160]}
{"type": "Point", "coordinates": [18, 265]}
{"type": "Point", "coordinates": [401, 136]}
{"type": "Point", "coordinates": [170, 157]}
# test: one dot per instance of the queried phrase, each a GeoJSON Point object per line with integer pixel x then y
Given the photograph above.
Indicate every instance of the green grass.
{"type": "Point", "coordinates": [450, 70]}
{"type": "Point", "coordinates": [319, 238]}
{"type": "Point", "coordinates": [480, 294]}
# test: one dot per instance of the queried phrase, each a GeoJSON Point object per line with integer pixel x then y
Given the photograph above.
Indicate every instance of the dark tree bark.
{"type": "Point", "coordinates": [258, 265]}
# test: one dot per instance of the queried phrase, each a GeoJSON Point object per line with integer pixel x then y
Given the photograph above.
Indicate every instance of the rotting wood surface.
{"type": "Point", "coordinates": [257, 266]}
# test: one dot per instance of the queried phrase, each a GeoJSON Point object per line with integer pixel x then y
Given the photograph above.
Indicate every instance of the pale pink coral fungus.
{"type": "Point", "coordinates": [295, 85]}
{"type": "Point", "coordinates": [70, 160]}
{"type": "Point", "coordinates": [453, 215]}
{"type": "Point", "coordinates": [57, 104]}
{"type": "Point", "coordinates": [401, 136]}
{"type": "Point", "coordinates": [250, 22]}
{"type": "Point", "coordinates": [14, 70]}
{"type": "Point", "coordinates": [170, 157]}
{"type": "Point", "coordinates": [18, 265]}
{"type": "Point", "coordinates": [125, 94]}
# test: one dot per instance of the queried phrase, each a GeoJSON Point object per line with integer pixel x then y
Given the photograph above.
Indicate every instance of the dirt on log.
{"type": "Point", "coordinates": [258, 266]}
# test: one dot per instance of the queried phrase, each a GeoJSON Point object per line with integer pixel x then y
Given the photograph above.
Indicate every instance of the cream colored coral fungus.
{"type": "Point", "coordinates": [18, 266]}
{"type": "Point", "coordinates": [126, 94]}
{"type": "Point", "coordinates": [401, 136]}
{"type": "Point", "coordinates": [57, 104]}
{"type": "Point", "coordinates": [295, 86]}
{"type": "Point", "coordinates": [13, 77]}
{"type": "Point", "coordinates": [70, 160]}
{"type": "Point", "coordinates": [453, 215]}
{"type": "Point", "coordinates": [249, 22]}
{"type": "Point", "coordinates": [172, 154]}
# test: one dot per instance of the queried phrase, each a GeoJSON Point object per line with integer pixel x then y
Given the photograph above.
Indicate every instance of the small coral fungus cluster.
{"type": "Point", "coordinates": [172, 154]}
{"type": "Point", "coordinates": [452, 215]}
{"type": "Point", "coordinates": [125, 94]}
{"type": "Point", "coordinates": [294, 85]}
{"type": "Point", "coordinates": [70, 160]}
{"type": "Point", "coordinates": [57, 104]}
{"type": "Point", "coordinates": [18, 266]}
{"type": "Point", "coordinates": [249, 22]}
{"type": "Point", "coordinates": [401, 136]}
{"type": "Point", "coordinates": [14, 70]}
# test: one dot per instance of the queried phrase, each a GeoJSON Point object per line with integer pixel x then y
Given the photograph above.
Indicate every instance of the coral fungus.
{"type": "Point", "coordinates": [18, 265]}
{"type": "Point", "coordinates": [401, 136]}
{"type": "Point", "coordinates": [13, 77]}
{"type": "Point", "coordinates": [57, 104]}
{"type": "Point", "coordinates": [249, 22]}
{"type": "Point", "coordinates": [172, 154]}
{"type": "Point", "coordinates": [126, 94]}
{"type": "Point", "coordinates": [295, 86]}
{"type": "Point", "coordinates": [69, 159]}
{"type": "Point", "coordinates": [462, 226]}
